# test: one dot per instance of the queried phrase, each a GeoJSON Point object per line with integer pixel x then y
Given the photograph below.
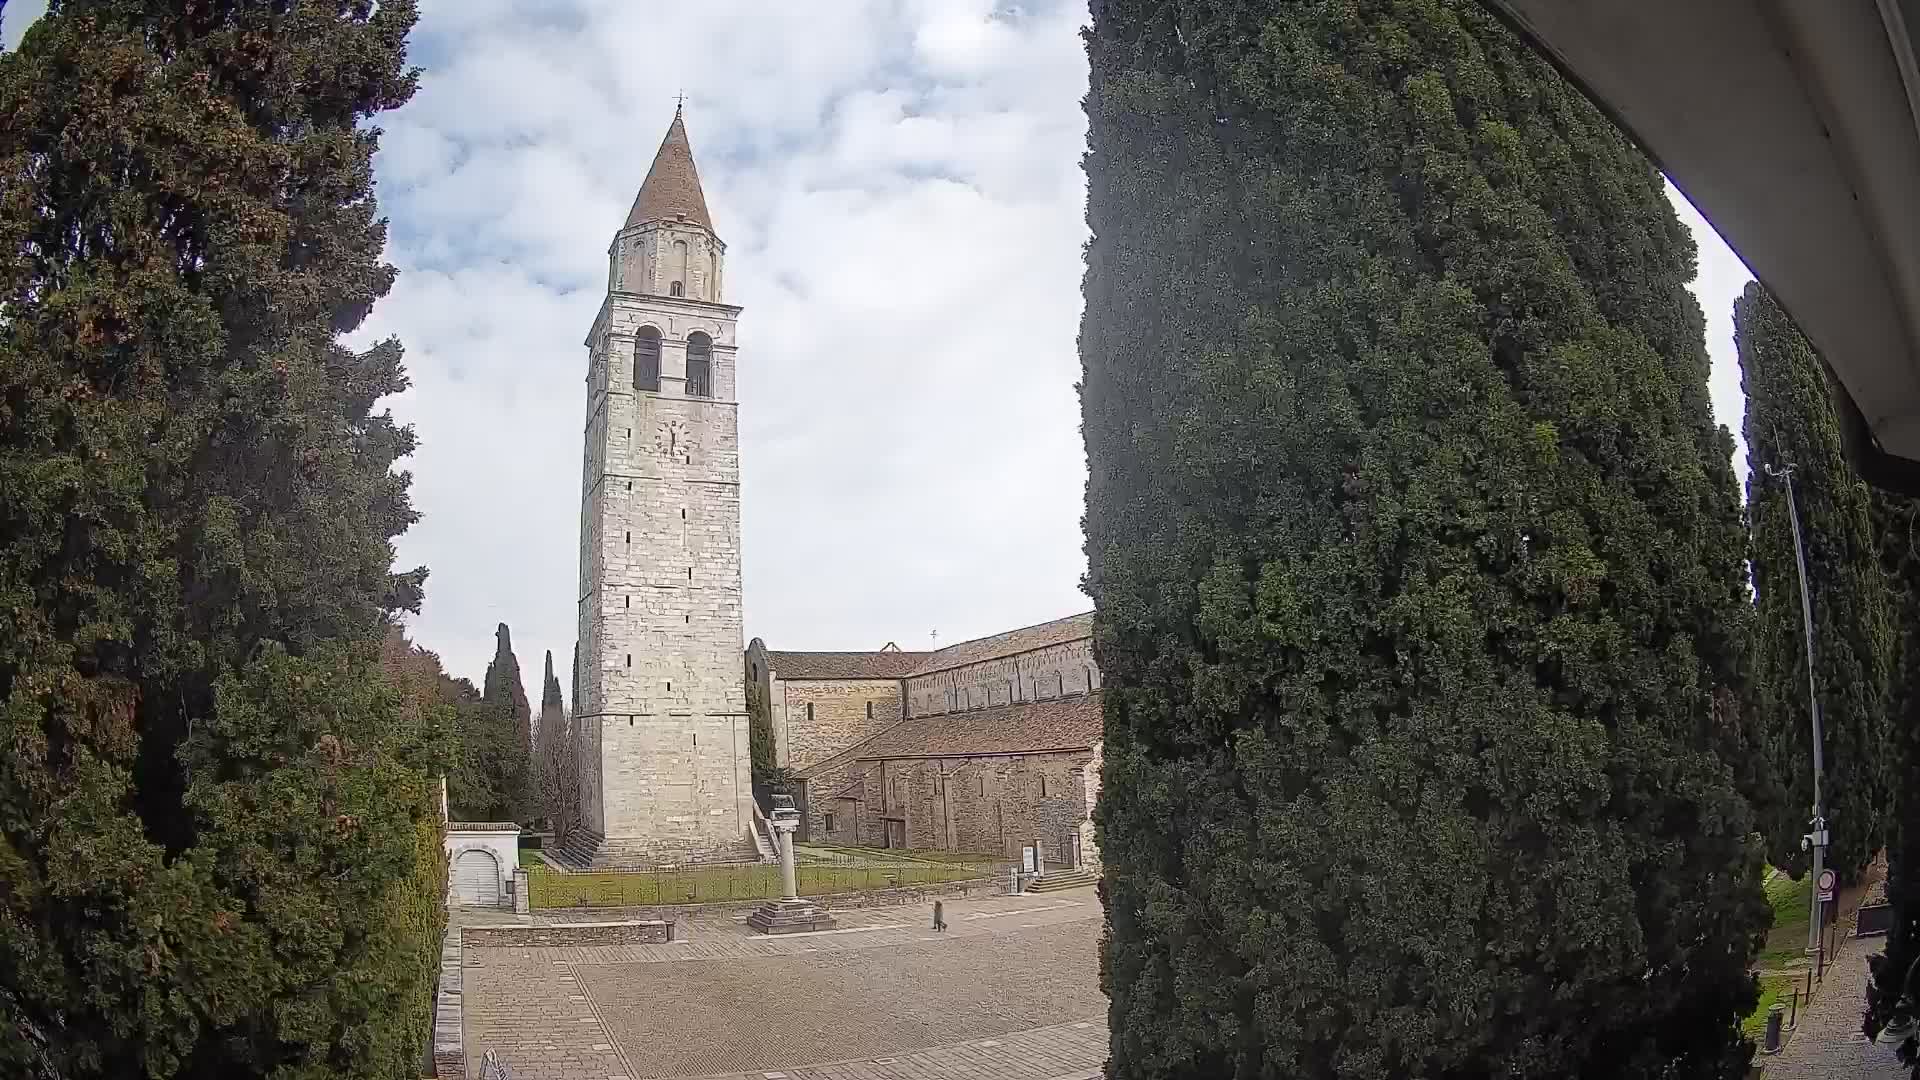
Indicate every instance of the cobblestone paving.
{"type": "Point", "coordinates": [1009, 991]}
{"type": "Point", "coordinates": [1827, 1043]}
{"type": "Point", "coordinates": [1063, 1052]}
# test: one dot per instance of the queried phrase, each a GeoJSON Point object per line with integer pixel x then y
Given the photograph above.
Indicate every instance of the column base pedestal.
{"type": "Point", "coordinates": [790, 917]}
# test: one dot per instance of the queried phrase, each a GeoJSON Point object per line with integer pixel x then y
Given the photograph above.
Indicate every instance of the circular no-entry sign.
{"type": "Point", "coordinates": [1826, 882]}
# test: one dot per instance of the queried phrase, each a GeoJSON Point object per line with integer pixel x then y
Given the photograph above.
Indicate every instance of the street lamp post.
{"type": "Point", "coordinates": [1815, 841]}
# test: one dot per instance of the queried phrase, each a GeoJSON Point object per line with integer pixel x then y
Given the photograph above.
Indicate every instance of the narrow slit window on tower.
{"type": "Point", "coordinates": [629, 659]}
{"type": "Point", "coordinates": [869, 710]}
{"type": "Point", "coordinates": [1043, 786]}
{"type": "Point", "coordinates": [646, 360]}
{"type": "Point", "coordinates": [809, 712]}
{"type": "Point", "coordinates": [629, 600]}
{"type": "Point", "coordinates": [629, 536]}
{"type": "Point", "coordinates": [689, 573]}
{"type": "Point", "coordinates": [669, 686]}
{"type": "Point", "coordinates": [699, 365]}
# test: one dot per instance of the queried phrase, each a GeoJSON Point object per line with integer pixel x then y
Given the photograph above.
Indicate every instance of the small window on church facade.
{"type": "Point", "coordinates": [869, 710]}
{"type": "Point", "coordinates": [699, 365]}
{"type": "Point", "coordinates": [676, 289]}
{"type": "Point", "coordinates": [646, 360]}
{"type": "Point", "coordinates": [809, 712]}
{"type": "Point", "coordinates": [829, 822]}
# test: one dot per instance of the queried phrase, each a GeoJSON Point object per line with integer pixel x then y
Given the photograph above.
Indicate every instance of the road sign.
{"type": "Point", "coordinates": [1825, 885]}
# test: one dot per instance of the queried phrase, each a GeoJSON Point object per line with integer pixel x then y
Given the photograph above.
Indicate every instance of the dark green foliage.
{"type": "Point", "coordinates": [497, 741]}
{"type": "Point", "coordinates": [486, 773]}
{"type": "Point", "coordinates": [218, 832]}
{"type": "Point", "coordinates": [1417, 557]}
{"type": "Point", "coordinates": [1790, 421]}
{"type": "Point", "coordinates": [1896, 521]}
{"type": "Point", "coordinates": [502, 685]}
{"type": "Point", "coordinates": [559, 773]}
{"type": "Point", "coordinates": [760, 741]}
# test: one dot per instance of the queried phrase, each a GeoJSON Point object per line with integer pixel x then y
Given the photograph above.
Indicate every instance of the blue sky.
{"type": "Point", "coordinates": [899, 186]}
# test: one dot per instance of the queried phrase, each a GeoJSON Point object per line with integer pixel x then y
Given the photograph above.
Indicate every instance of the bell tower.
{"type": "Point", "coordinates": [662, 715]}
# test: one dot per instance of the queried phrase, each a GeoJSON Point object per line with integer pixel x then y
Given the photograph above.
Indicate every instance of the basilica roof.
{"type": "Point", "coordinates": [884, 664]}
{"type": "Point", "coordinates": [1025, 639]}
{"type": "Point", "coordinates": [1027, 727]}
{"type": "Point", "coordinates": [672, 188]}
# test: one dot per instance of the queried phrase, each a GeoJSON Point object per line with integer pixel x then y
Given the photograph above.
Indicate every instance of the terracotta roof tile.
{"type": "Point", "coordinates": [672, 186]}
{"type": "Point", "coordinates": [1027, 727]}
{"type": "Point", "coordinates": [1025, 639]}
{"type": "Point", "coordinates": [890, 664]}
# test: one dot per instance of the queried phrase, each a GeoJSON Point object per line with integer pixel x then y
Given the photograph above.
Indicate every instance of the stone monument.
{"type": "Point", "coordinates": [790, 914]}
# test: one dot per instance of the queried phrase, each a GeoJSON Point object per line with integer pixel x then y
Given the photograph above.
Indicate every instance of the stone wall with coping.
{"type": "Point", "coordinates": [567, 935]}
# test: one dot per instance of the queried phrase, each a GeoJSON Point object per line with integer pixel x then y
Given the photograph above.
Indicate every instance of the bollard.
{"type": "Point", "coordinates": [1775, 1013]}
{"type": "Point", "coordinates": [1793, 1013]}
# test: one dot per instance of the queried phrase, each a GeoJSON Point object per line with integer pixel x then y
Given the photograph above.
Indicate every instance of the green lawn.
{"type": "Point", "coordinates": [1787, 940]}
{"type": "Point", "coordinates": [911, 854]}
{"type": "Point", "coordinates": [1792, 900]}
{"type": "Point", "coordinates": [547, 889]}
{"type": "Point", "coordinates": [530, 858]}
{"type": "Point", "coordinates": [1772, 988]}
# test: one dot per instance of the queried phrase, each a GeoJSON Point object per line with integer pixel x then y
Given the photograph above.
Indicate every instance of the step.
{"type": "Point", "coordinates": [1058, 880]}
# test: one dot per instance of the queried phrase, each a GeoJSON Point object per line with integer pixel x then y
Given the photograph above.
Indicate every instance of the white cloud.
{"type": "Point", "coordinates": [899, 185]}
{"type": "Point", "coordinates": [899, 188]}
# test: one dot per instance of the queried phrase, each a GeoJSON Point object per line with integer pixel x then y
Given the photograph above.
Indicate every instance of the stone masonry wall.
{"type": "Point", "coordinates": [814, 719]}
{"type": "Point", "coordinates": [660, 611]}
{"type": "Point", "coordinates": [1066, 668]}
{"type": "Point", "coordinates": [991, 805]}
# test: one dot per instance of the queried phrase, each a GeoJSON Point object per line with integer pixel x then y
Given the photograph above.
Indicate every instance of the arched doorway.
{"type": "Point", "coordinates": [476, 878]}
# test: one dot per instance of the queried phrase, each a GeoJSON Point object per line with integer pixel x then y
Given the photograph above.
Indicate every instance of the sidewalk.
{"type": "Point", "coordinates": [1827, 1043]}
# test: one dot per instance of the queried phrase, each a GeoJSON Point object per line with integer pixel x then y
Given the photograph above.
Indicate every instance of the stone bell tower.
{"type": "Point", "coordinates": [662, 715]}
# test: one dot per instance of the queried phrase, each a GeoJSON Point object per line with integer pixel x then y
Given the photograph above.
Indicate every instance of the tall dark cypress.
{"type": "Point", "coordinates": [1896, 981]}
{"type": "Point", "coordinates": [219, 849]}
{"type": "Point", "coordinates": [1791, 423]}
{"type": "Point", "coordinates": [507, 734]}
{"type": "Point", "coordinates": [1417, 557]}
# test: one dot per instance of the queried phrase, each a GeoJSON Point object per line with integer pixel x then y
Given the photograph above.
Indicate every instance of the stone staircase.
{"type": "Point", "coordinates": [1059, 880]}
{"type": "Point", "coordinates": [763, 844]}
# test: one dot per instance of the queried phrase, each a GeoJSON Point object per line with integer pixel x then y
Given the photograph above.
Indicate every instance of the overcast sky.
{"type": "Point", "coordinates": [899, 187]}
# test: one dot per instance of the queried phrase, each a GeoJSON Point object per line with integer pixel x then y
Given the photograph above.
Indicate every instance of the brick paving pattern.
{"type": "Point", "coordinates": [1010, 991]}
{"type": "Point", "coordinates": [1827, 1043]}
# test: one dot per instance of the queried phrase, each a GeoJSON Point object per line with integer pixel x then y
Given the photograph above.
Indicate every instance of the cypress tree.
{"type": "Point", "coordinates": [502, 734]}
{"type": "Point", "coordinates": [1896, 521]}
{"type": "Point", "coordinates": [1791, 422]}
{"type": "Point", "coordinates": [559, 772]}
{"type": "Point", "coordinates": [219, 850]}
{"type": "Point", "coordinates": [1416, 554]}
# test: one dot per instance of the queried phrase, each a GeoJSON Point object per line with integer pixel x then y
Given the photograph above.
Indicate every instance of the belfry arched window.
{"type": "Point", "coordinates": [699, 365]}
{"type": "Point", "coordinates": [676, 289]}
{"type": "Point", "coordinates": [646, 360]}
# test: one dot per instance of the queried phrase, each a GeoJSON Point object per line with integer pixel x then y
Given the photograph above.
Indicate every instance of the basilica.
{"type": "Point", "coordinates": [989, 746]}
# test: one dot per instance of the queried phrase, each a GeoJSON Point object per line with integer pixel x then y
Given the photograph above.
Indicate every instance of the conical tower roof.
{"type": "Point", "coordinates": [672, 187]}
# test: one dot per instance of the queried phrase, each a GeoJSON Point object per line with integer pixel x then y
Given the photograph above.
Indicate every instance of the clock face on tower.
{"type": "Point", "coordinates": [670, 439]}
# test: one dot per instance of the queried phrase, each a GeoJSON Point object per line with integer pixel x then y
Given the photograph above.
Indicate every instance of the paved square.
{"type": "Point", "coordinates": [1010, 991]}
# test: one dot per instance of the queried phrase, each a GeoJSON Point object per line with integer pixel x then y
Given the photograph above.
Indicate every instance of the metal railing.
{"type": "Point", "coordinates": [721, 883]}
{"type": "Point", "coordinates": [492, 1068]}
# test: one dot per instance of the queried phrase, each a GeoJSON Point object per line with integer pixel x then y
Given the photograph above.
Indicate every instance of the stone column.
{"type": "Point", "coordinates": [789, 888]}
{"type": "Point", "coordinates": [789, 914]}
